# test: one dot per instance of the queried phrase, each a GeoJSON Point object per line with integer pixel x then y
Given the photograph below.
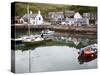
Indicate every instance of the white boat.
{"type": "Point", "coordinates": [47, 32]}
{"type": "Point", "coordinates": [18, 39]}
{"type": "Point", "coordinates": [32, 38]}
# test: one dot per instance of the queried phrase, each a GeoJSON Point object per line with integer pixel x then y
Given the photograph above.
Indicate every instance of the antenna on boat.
{"type": "Point", "coordinates": [28, 20]}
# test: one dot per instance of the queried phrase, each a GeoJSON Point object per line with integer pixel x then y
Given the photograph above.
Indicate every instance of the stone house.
{"type": "Point", "coordinates": [55, 17]}
{"type": "Point", "coordinates": [91, 16]}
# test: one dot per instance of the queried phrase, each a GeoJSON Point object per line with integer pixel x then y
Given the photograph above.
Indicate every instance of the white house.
{"type": "Point", "coordinates": [68, 21]}
{"type": "Point", "coordinates": [76, 20]}
{"type": "Point", "coordinates": [77, 15]}
{"type": "Point", "coordinates": [80, 20]}
{"type": "Point", "coordinates": [34, 19]}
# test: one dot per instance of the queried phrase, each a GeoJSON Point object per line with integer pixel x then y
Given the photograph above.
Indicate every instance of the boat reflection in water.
{"type": "Point", "coordinates": [83, 60]}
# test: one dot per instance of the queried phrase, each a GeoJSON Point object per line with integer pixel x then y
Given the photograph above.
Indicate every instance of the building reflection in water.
{"type": "Point", "coordinates": [75, 40]}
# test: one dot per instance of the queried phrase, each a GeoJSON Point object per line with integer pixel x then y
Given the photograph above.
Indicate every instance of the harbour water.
{"type": "Point", "coordinates": [60, 54]}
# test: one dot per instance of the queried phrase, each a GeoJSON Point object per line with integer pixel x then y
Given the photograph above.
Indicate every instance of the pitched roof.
{"type": "Point", "coordinates": [55, 13]}
{"type": "Point", "coordinates": [69, 13]}
{"type": "Point", "coordinates": [77, 15]}
{"type": "Point", "coordinates": [25, 17]}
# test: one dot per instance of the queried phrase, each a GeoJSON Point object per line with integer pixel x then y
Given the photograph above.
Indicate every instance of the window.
{"type": "Point", "coordinates": [39, 18]}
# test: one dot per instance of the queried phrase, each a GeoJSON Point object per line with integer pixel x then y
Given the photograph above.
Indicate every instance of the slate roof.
{"type": "Point", "coordinates": [69, 13]}
{"type": "Point", "coordinates": [25, 17]}
{"type": "Point", "coordinates": [55, 13]}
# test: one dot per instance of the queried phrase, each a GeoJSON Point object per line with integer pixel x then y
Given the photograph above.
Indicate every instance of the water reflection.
{"type": "Point", "coordinates": [59, 54]}
{"type": "Point", "coordinates": [83, 60]}
{"type": "Point", "coordinates": [50, 58]}
{"type": "Point", "coordinates": [58, 39]}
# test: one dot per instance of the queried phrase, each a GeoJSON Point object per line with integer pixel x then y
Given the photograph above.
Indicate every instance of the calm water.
{"type": "Point", "coordinates": [60, 54]}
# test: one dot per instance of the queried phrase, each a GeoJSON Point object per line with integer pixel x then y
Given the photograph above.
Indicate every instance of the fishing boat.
{"type": "Point", "coordinates": [47, 32]}
{"type": "Point", "coordinates": [89, 51]}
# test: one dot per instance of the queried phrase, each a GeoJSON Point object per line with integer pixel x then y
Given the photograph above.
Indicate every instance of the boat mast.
{"type": "Point", "coordinates": [29, 35]}
{"type": "Point", "coordinates": [28, 20]}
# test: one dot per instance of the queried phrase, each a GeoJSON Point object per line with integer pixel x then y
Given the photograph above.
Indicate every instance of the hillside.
{"type": "Point", "coordinates": [21, 8]}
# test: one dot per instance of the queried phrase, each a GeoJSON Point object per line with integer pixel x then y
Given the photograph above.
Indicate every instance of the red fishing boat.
{"type": "Point", "coordinates": [89, 51]}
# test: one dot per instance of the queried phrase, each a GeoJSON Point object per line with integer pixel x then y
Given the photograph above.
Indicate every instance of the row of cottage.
{"type": "Point", "coordinates": [63, 18]}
